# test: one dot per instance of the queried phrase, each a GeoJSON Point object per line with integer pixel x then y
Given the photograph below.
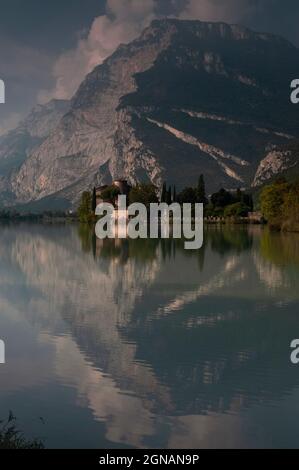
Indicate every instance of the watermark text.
{"type": "Point", "coordinates": [2, 92]}
{"type": "Point", "coordinates": [157, 221]}
{"type": "Point", "coordinates": [2, 352]}
{"type": "Point", "coordinates": [295, 92]}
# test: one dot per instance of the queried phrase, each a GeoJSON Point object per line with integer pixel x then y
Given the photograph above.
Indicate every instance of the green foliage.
{"type": "Point", "coordinates": [12, 438]}
{"type": "Point", "coordinates": [238, 209]}
{"type": "Point", "coordinates": [191, 195]}
{"type": "Point", "coordinates": [247, 200]}
{"type": "Point", "coordinates": [94, 200]}
{"type": "Point", "coordinates": [239, 195]}
{"type": "Point", "coordinates": [169, 196]}
{"type": "Point", "coordinates": [223, 203]}
{"type": "Point", "coordinates": [290, 209]}
{"type": "Point", "coordinates": [86, 234]}
{"type": "Point", "coordinates": [272, 202]}
{"type": "Point", "coordinates": [164, 193]}
{"type": "Point", "coordinates": [220, 203]}
{"type": "Point", "coordinates": [222, 199]}
{"type": "Point", "coordinates": [85, 213]}
{"type": "Point", "coordinates": [110, 194]}
{"type": "Point", "coordinates": [229, 239]}
{"type": "Point", "coordinates": [279, 203]}
{"type": "Point", "coordinates": [230, 204]}
{"type": "Point", "coordinates": [209, 210]}
{"type": "Point", "coordinates": [201, 191]}
{"type": "Point", "coordinates": [143, 193]}
{"type": "Point", "coordinates": [280, 248]}
{"type": "Point", "coordinates": [188, 196]}
{"type": "Point", "coordinates": [174, 194]}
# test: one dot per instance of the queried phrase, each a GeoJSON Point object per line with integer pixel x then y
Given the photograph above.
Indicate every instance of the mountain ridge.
{"type": "Point", "coordinates": [186, 97]}
{"type": "Point", "coordinates": [18, 144]}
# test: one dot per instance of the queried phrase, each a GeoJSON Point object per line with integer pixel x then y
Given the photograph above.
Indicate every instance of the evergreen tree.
{"type": "Point", "coordinates": [94, 200]}
{"type": "Point", "coordinates": [164, 193]}
{"type": "Point", "coordinates": [201, 191]}
{"type": "Point", "coordinates": [174, 194]}
{"type": "Point", "coordinates": [169, 196]}
{"type": "Point", "coordinates": [239, 195]}
{"type": "Point", "coordinates": [187, 196]}
{"type": "Point", "coordinates": [247, 200]}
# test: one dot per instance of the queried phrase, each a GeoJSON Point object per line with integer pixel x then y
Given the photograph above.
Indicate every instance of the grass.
{"type": "Point", "coordinates": [12, 438]}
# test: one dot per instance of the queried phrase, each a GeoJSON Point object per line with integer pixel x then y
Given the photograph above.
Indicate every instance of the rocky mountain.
{"type": "Point", "coordinates": [17, 145]}
{"type": "Point", "coordinates": [282, 160]}
{"type": "Point", "coordinates": [184, 98]}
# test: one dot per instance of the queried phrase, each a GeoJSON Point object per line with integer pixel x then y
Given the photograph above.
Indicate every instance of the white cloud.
{"type": "Point", "coordinates": [124, 20]}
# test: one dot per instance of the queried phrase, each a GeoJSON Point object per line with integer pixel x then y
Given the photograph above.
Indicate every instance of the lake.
{"type": "Point", "coordinates": [142, 344]}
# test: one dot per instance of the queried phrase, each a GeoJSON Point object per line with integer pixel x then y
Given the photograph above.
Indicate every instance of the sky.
{"type": "Point", "coordinates": [47, 47]}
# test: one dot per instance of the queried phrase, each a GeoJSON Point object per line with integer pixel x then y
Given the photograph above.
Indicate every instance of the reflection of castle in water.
{"type": "Point", "coordinates": [186, 332]}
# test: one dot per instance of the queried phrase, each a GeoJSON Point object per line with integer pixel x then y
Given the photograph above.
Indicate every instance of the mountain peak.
{"type": "Point", "coordinates": [185, 98]}
{"type": "Point", "coordinates": [209, 29]}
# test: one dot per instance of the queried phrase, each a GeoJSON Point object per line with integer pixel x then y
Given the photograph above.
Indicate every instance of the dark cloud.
{"type": "Point", "coordinates": [50, 25]}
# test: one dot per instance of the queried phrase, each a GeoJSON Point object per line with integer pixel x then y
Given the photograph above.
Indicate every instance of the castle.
{"type": "Point", "coordinates": [121, 185]}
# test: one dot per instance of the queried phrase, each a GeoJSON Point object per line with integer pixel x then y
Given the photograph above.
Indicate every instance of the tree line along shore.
{"type": "Point", "coordinates": [276, 204]}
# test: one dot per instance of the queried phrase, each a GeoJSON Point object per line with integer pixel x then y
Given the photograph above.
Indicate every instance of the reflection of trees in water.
{"type": "Point", "coordinates": [223, 239]}
{"type": "Point", "coordinates": [141, 250]}
{"type": "Point", "coordinates": [122, 249]}
{"type": "Point", "coordinates": [228, 238]}
{"type": "Point", "coordinates": [282, 249]}
{"type": "Point", "coordinates": [86, 235]}
{"type": "Point", "coordinates": [171, 247]}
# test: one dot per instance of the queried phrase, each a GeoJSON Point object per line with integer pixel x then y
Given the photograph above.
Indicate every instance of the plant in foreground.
{"type": "Point", "coordinates": [12, 438]}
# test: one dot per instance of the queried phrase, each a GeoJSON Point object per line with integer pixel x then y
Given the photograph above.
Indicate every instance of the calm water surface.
{"type": "Point", "coordinates": [143, 344]}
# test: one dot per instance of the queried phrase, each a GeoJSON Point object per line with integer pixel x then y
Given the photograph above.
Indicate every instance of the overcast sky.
{"type": "Point", "coordinates": [47, 47]}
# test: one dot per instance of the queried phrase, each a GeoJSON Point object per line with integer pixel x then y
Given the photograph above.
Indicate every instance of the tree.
{"type": "Point", "coordinates": [239, 195]}
{"type": "Point", "coordinates": [238, 209]}
{"type": "Point", "coordinates": [290, 208]}
{"type": "Point", "coordinates": [85, 208]}
{"type": "Point", "coordinates": [201, 191]}
{"type": "Point", "coordinates": [169, 196]}
{"type": "Point", "coordinates": [222, 199]}
{"type": "Point", "coordinates": [247, 200]}
{"type": "Point", "coordinates": [110, 194]}
{"type": "Point", "coordinates": [187, 196]}
{"type": "Point", "coordinates": [174, 194]}
{"type": "Point", "coordinates": [144, 193]}
{"type": "Point", "coordinates": [164, 192]}
{"type": "Point", "coordinates": [94, 200]}
{"type": "Point", "coordinates": [272, 200]}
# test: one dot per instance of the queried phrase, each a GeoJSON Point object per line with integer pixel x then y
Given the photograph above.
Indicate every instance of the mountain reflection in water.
{"type": "Point", "coordinates": [141, 343]}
